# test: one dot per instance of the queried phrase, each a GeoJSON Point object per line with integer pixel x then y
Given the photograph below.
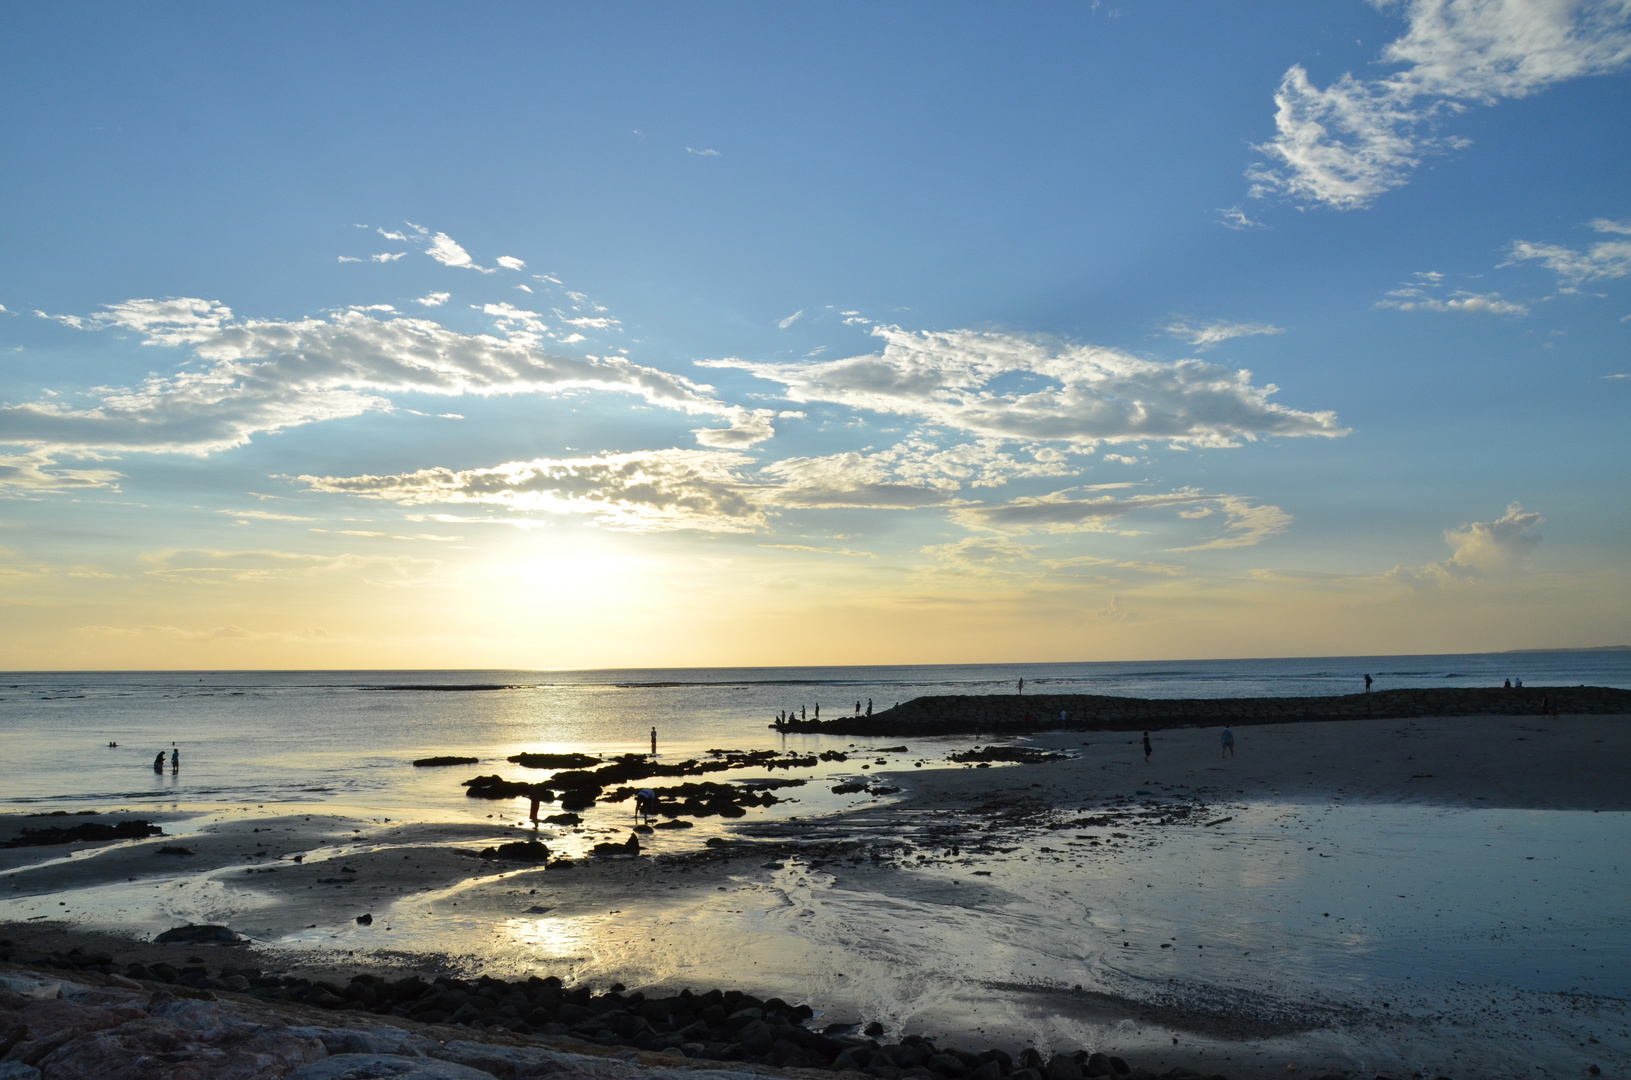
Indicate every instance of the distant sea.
{"type": "Point", "coordinates": [343, 739]}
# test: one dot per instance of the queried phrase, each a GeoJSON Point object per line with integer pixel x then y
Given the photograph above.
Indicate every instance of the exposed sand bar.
{"type": "Point", "coordinates": [1017, 713]}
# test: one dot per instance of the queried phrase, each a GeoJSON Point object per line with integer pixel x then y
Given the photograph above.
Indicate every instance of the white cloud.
{"type": "Point", "coordinates": [791, 319]}
{"type": "Point", "coordinates": [525, 288]}
{"type": "Point", "coordinates": [263, 515]}
{"type": "Point", "coordinates": [599, 322]}
{"type": "Point", "coordinates": [348, 258]}
{"type": "Point", "coordinates": [702, 153]}
{"type": "Point", "coordinates": [446, 251]}
{"type": "Point", "coordinates": [435, 299]}
{"type": "Point", "coordinates": [1235, 218]}
{"type": "Point", "coordinates": [510, 262]}
{"type": "Point", "coordinates": [648, 491]}
{"type": "Point", "coordinates": [389, 256]}
{"type": "Point", "coordinates": [269, 375]}
{"type": "Point", "coordinates": [1347, 144]}
{"type": "Point", "coordinates": [1072, 393]}
{"type": "Point", "coordinates": [1244, 523]}
{"type": "Point", "coordinates": [1480, 549]}
{"type": "Point", "coordinates": [206, 566]}
{"type": "Point", "coordinates": [392, 235]}
{"type": "Point", "coordinates": [748, 426]}
{"type": "Point", "coordinates": [1603, 260]}
{"type": "Point", "coordinates": [1411, 298]}
{"type": "Point", "coordinates": [38, 474]}
{"type": "Point", "coordinates": [1213, 333]}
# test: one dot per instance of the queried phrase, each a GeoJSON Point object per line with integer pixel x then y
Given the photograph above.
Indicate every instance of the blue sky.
{"type": "Point", "coordinates": [408, 335]}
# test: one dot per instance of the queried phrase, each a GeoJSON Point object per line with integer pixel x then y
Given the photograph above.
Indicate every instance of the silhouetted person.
{"type": "Point", "coordinates": [818, 710]}
{"type": "Point", "coordinates": [869, 706]}
{"type": "Point", "coordinates": [1228, 743]}
{"type": "Point", "coordinates": [534, 812]}
{"type": "Point", "coordinates": [1022, 686]}
{"type": "Point", "coordinates": [1148, 749]}
{"type": "Point", "coordinates": [1507, 685]}
{"type": "Point", "coordinates": [158, 763]}
{"type": "Point", "coordinates": [802, 714]}
{"type": "Point", "coordinates": [175, 759]}
{"type": "Point", "coordinates": [1367, 684]}
{"type": "Point", "coordinates": [653, 741]}
{"type": "Point", "coordinates": [857, 708]}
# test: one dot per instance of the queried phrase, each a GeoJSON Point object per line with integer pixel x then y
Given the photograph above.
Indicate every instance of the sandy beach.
{"type": "Point", "coordinates": [289, 883]}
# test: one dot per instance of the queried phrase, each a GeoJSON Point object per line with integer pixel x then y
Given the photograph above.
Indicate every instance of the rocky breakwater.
{"type": "Point", "coordinates": [106, 1021]}
{"type": "Point", "coordinates": [967, 714]}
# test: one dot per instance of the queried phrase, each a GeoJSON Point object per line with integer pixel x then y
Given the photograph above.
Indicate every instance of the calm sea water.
{"type": "Point", "coordinates": [343, 736]}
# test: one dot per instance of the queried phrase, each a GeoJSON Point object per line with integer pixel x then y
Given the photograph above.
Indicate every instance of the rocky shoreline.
{"type": "Point", "coordinates": [969, 714]}
{"type": "Point", "coordinates": [121, 1008]}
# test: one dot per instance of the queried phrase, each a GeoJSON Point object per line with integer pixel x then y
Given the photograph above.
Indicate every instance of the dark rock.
{"type": "Point", "coordinates": [990, 1070]}
{"type": "Point", "coordinates": [518, 850]}
{"type": "Point", "coordinates": [755, 1037]}
{"type": "Point", "coordinates": [79, 834]}
{"type": "Point", "coordinates": [432, 762]}
{"type": "Point", "coordinates": [365, 920]}
{"type": "Point", "coordinates": [200, 935]}
{"type": "Point", "coordinates": [1063, 1067]}
{"type": "Point", "coordinates": [631, 846]}
{"type": "Point", "coordinates": [946, 1065]}
{"type": "Point", "coordinates": [554, 761]}
{"type": "Point", "coordinates": [873, 1030]}
{"type": "Point", "coordinates": [1030, 1059]}
{"type": "Point", "coordinates": [1098, 1065]}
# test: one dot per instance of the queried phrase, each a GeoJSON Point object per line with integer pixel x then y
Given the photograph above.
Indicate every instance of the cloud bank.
{"type": "Point", "coordinates": [270, 375]}
{"type": "Point", "coordinates": [1006, 386]}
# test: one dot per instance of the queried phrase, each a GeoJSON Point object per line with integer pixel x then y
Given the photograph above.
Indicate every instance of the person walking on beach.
{"type": "Point", "coordinates": [1367, 684]}
{"type": "Point", "coordinates": [1148, 749]}
{"type": "Point", "coordinates": [1228, 743]}
{"type": "Point", "coordinates": [534, 811]}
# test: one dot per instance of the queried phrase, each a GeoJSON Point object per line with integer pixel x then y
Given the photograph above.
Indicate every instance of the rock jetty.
{"type": "Point", "coordinates": [206, 1023]}
{"type": "Point", "coordinates": [968, 714]}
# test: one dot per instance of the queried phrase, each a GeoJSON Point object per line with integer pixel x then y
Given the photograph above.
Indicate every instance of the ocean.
{"type": "Point", "coordinates": [343, 737]}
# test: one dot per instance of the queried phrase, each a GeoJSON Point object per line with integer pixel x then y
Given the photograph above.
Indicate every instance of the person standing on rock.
{"type": "Point", "coordinates": [1148, 749]}
{"type": "Point", "coordinates": [1228, 743]}
{"type": "Point", "coordinates": [857, 707]}
{"type": "Point", "coordinates": [1367, 684]}
{"type": "Point", "coordinates": [818, 711]}
{"type": "Point", "coordinates": [1022, 686]}
{"type": "Point", "coordinates": [869, 706]}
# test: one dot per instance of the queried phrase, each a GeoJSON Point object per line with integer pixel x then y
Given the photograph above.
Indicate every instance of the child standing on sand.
{"type": "Point", "coordinates": [1228, 743]}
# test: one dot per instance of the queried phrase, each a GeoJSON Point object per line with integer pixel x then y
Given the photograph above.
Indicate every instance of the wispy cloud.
{"type": "Point", "coordinates": [270, 375]}
{"type": "Point", "coordinates": [435, 299]}
{"type": "Point", "coordinates": [1416, 298]}
{"type": "Point", "coordinates": [1603, 260]}
{"type": "Point", "coordinates": [1235, 218]}
{"type": "Point", "coordinates": [39, 474]}
{"type": "Point", "coordinates": [1206, 335]}
{"type": "Point", "coordinates": [445, 250]}
{"type": "Point", "coordinates": [649, 491]}
{"type": "Point", "coordinates": [1079, 394]}
{"type": "Point", "coordinates": [1244, 522]}
{"type": "Point", "coordinates": [791, 319]}
{"type": "Point", "coordinates": [1347, 144]}
{"type": "Point", "coordinates": [510, 262]}
{"type": "Point", "coordinates": [702, 153]}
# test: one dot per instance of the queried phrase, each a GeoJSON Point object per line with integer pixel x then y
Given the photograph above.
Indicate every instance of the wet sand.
{"type": "Point", "coordinates": [243, 870]}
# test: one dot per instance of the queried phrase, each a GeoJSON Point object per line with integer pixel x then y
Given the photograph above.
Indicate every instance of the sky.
{"type": "Point", "coordinates": [557, 336]}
